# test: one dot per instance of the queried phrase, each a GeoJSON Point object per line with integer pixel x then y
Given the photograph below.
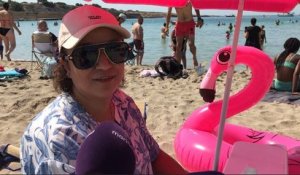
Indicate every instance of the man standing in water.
{"type": "Point", "coordinates": [7, 26]}
{"type": "Point", "coordinates": [185, 28]}
{"type": "Point", "coordinates": [252, 35]}
{"type": "Point", "coordinates": [138, 35]}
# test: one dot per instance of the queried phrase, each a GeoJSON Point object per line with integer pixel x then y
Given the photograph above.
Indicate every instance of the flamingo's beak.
{"type": "Point", "coordinates": [208, 95]}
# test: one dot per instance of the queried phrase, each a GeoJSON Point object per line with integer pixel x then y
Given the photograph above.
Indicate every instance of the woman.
{"type": "Point", "coordinates": [7, 26]}
{"type": "Point", "coordinates": [92, 56]}
{"type": "Point", "coordinates": [263, 38]}
{"type": "Point", "coordinates": [163, 32]}
{"type": "Point", "coordinates": [288, 67]}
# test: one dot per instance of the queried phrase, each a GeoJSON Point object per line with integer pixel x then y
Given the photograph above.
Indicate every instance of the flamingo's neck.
{"type": "Point", "coordinates": [262, 72]}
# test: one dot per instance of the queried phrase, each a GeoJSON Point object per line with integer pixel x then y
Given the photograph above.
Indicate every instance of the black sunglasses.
{"type": "Point", "coordinates": [85, 57]}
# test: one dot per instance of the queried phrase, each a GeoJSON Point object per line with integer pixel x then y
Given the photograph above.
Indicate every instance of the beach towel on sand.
{"type": "Point", "coordinates": [12, 74]}
{"type": "Point", "coordinates": [149, 73]}
{"type": "Point", "coordinates": [281, 97]}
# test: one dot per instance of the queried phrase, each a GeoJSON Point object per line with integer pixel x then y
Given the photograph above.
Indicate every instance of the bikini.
{"type": "Point", "coordinates": [3, 31]}
{"type": "Point", "coordinates": [285, 86]}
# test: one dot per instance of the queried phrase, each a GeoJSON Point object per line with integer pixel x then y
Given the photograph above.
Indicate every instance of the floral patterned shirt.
{"type": "Point", "coordinates": [52, 140]}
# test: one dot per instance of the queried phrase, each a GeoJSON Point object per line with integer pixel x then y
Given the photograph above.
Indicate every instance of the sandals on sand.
{"type": "Point", "coordinates": [6, 158]}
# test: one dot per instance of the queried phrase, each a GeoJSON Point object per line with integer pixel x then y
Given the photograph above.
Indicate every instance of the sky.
{"type": "Point", "coordinates": [156, 8]}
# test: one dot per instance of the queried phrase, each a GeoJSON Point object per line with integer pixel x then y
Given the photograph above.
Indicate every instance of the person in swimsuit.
{"type": "Point", "coordinates": [163, 32]}
{"type": "Point", "coordinates": [252, 35]}
{"type": "Point", "coordinates": [138, 39]}
{"type": "Point", "coordinates": [263, 38]}
{"type": "Point", "coordinates": [185, 28]}
{"type": "Point", "coordinates": [7, 26]}
{"type": "Point", "coordinates": [288, 67]}
{"type": "Point", "coordinates": [183, 49]}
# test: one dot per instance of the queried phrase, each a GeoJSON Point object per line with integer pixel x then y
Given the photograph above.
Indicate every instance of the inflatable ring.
{"type": "Point", "coordinates": [195, 142]}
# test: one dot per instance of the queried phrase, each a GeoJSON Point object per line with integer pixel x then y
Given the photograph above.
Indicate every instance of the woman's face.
{"type": "Point", "coordinates": [104, 78]}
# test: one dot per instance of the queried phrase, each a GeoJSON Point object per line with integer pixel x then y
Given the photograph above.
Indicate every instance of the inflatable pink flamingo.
{"type": "Point", "coordinates": [195, 142]}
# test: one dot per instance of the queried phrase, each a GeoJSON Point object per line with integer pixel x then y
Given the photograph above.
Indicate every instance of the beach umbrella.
{"type": "Point", "coordinates": [249, 5]}
{"type": "Point", "coordinates": [240, 6]}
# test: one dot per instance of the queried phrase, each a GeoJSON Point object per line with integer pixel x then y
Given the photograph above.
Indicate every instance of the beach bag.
{"type": "Point", "coordinates": [168, 66]}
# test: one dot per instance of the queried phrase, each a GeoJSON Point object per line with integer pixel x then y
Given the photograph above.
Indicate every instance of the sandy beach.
{"type": "Point", "coordinates": [169, 104]}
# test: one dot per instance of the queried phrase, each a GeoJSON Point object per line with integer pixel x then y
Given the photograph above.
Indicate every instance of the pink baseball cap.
{"type": "Point", "coordinates": [77, 23]}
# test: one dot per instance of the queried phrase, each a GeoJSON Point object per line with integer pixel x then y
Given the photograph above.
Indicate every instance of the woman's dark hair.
{"type": "Point", "coordinates": [291, 45]}
{"type": "Point", "coordinates": [61, 81]}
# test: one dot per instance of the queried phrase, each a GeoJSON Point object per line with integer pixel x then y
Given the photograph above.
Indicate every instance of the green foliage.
{"type": "Point", "coordinates": [15, 6]}
{"type": "Point", "coordinates": [48, 4]}
{"type": "Point", "coordinates": [61, 5]}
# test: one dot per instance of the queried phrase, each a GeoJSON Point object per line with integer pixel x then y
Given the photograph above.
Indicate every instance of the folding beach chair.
{"type": "Point", "coordinates": [44, 52]}
{"type": "Point", "coordinates": [253, 158]}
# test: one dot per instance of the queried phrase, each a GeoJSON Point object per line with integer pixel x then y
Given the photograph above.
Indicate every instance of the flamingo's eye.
{"type": "Point", "coordinates": [223, 57]}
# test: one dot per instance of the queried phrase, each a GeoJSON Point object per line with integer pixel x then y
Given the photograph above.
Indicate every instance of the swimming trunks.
{"type": "Point", "coordinates": [3, 31]}
{"type": "Point", "coordinates": [139, 44]}
{"type": "Point", "coordinates": [185, 28]}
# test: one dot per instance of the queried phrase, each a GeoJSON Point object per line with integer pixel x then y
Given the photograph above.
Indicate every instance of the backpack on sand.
{"type": "Point", "coordinates": [168, 66]}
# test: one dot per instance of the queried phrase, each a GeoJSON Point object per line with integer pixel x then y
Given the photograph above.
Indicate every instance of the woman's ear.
{"type": "Point", "coordinates": [65, 61]}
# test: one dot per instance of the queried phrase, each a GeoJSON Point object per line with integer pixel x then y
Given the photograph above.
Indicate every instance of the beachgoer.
{"type": "Point", "coordinates": [138, 39]}
{"type": "Point", "coordinates": [89, 73]}
{"type": "Point", "coordinates": [252, 35]}
{"type": "Point", "coordinates": [230, 27]}
{"type": "Point", "coordinates": [121, 18]}
{"type": "Point", "coordinates": [163, 32]}
{"type": "Point", "coordinates": [43, 28]}
{"type": "Point", "coordinates": [48, 64]}
{"type": "Point", "coordinates": [263, 38]}
{"type": "Point", "coordinates": [183, 49]}
{"type": "Point", "coordinates": [227, 35]}
{"type": "Point", "coordinates": [7, 26]}
{"type": "Point", "coordinates": [1, 47]}
{"type": "Point", "coordinates": [185, 28]}
{"type": "Point", "coordinates": [288, 67]}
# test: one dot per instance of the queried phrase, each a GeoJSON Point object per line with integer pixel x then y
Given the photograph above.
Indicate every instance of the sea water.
{"type": "Point", "coordinates": [209, 38]}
